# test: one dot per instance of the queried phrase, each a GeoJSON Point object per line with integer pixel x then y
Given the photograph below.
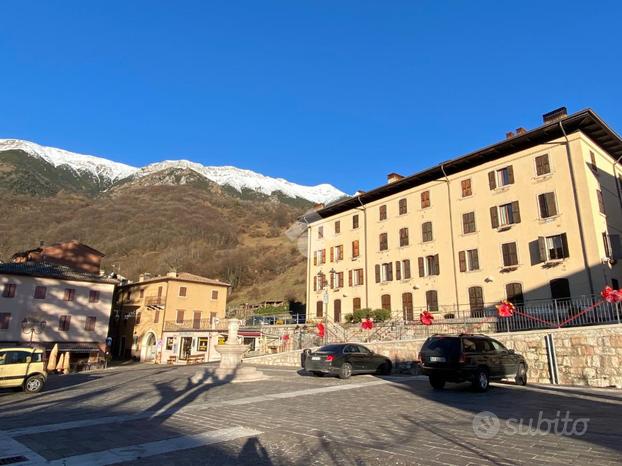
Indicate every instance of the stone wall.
{"type": "Point", "coordinates": [585, 355]}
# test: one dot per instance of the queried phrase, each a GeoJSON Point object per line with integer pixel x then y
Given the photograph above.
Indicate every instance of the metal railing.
{"type": "Point", "coordinates": [278, 319]}
{"type": "Point", "coordinates": [154, 301]}
{"type": "Point", "coordinates": [193, 324]}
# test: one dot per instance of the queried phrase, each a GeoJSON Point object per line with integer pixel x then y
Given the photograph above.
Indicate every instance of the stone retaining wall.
{"type": "Point", "coordinates": [588, 356]}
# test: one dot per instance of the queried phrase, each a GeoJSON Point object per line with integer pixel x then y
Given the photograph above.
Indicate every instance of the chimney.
{"type": "Point", "coordinates": [318, 206]}
{"type": "Point", "coordinates": [520, 131]}
{"type": "Point", "coordinates": [509, 135]}
{"type": "Point", "coordinates": [555, 115]}
{"type": "Point", "coordinates": [141, 277]}
{"type": "Point", "coordinates": [393, 177]}
{"type": "Point", "coordinates": [172, 274]}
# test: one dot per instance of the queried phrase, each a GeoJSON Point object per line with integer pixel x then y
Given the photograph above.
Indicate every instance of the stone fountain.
{"type": "Point", "coordinates": [231, 368]}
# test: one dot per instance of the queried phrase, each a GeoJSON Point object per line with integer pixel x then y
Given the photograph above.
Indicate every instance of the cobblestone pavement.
{"type": "Point", "coordinates": [171, 415]}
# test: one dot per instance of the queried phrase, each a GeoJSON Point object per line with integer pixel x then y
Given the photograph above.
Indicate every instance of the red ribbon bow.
{"type": "Point", "coordinates": [426, 318]}
{"type": "Point", "coordinates": [320, 329]}
{"type": "Point", "coordinates": [505, 308]}
{"type": "Point", "coordinates": [367, 324]}
{"type": "Point", "coordinates": [611, 296]}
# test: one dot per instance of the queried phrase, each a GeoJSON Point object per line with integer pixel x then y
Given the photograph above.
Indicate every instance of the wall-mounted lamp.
{"type": "Point", "coordinates": [489, 279]}
{"type": "Point", "coordinates": [416, 287]}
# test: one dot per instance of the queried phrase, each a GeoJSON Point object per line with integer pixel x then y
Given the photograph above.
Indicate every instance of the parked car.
{"type": "Point", "coordinates": [474, 358]}
{"type": "Point", "coordinates": [22, 368]}
{"type": "Point", "coordinates": [344, 360]}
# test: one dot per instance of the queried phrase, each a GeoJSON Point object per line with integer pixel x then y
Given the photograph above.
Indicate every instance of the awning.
{"type": "Point", "coordinates": [71, 347]}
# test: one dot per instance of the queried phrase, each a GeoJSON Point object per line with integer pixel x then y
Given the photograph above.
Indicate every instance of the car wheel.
{"type": "Point", "coordinates": [521, 375]}
{"type": "Point", "coordinates": [318, 374]}
{"type": "Point", "coordinates": [481, 381]}
{"type": "Point", "coordinates": [345, 371]}
{"type": "Point", "coordinates": [385, 368]}
{"type": "Point", "coordinates": [438, 383]}
{"type": "Point", "coordinates": [33, 384]}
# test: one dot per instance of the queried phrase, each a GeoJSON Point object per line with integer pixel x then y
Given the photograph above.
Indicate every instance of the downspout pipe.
{"type": "Point", "coordinates": [573, 180]}
{"type": "Point", "coordinates": [451, 235]}
{"type": "Point", "coordinates": [366, 279]}
{"type": "Point", "coordinates": [617, 180]}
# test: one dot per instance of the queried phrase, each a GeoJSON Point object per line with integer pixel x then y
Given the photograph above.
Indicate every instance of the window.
{"type": "Point", "coordinates": [468, 223]}
{"type": "Point", "coordinates": [429, 265]}
{"type": "Point", "coordinates": [156, 316]}
{"type": "Point", "coordinates": [398, 270]}
{"type": "Point", "coordinates": [202, 344]}
{"type": "Point", "coordinates": [403, 237]}
{"type": "Point", "coordinates": [63, 323]}
{"type": "Point", "coordinates": [514, 293]}
{"type": "Point", "coordinates": [468, 260]}
{"type": "Point", "coordinates": [546, 203]}
{"type": "Point", "coordinates": [137, 318]}
{"type": "Point", "coordinates": [425, 199]}
{"type": "Point", "coordinates": [320, 232]}
{"type": "Point", "coordinates": [543, 167]}
{"type": "Point", "coordinates": [196, 319]}
{"type": "Point", "coordinates": [9, 290]}
{"type": "Point", "coordinates": [142, 293]}
{"type": "Point", "coordinates": [5, 320]}
{"type": "Point", "coordinates": [553, 247]}
{"type": "Point", "coordinates": [129, 295]}
{"type": "Point", "coordinates": [476, 301]}
{"type": "Point", "coordinates": [319, 309]}
{"type": "Point", "coordinates": [504, 215]}
{"type": "Point", "coordinates": [382, 212]}
{"type": "Point", "coordinates": [319, 257]}
{"type": "Point", "coordinates": [183, 291]}
{"type": "Point", "coordinates": [93, 296]}
{"type": "Point", "coordinates": [337, 227]}
{"type": "Point", "coordinates": [466, 187]}
{"type": "Point", "coordinates": [403, 206]}
{"type": "Point", "coordinates": [18, 357]}
{"type": "Point", "coordinates": [426, 232]}
{"type": "Point", "coordinates": [431, 300]}
{"type": "Point", "coordinates": [320, 281]}
{"type": "Point", "coordinates": [70, 294]}
{"type": "Point", "coordinates": [510, 256]}
{"type": "Point", "coordinates": [356, 277]}
{"type": "Point", "coordinates": [180, 317]}
{"type": "Point", "coordinates": [40, 292]}
{"type": "Point", "coordinates": [355, 248]}
{"type": "Point", "coordinates": [407, 307]}
{"type": "Point", "coordinates": [89, 324]}
{"type": "Point", "coordinates": [613, 246]}
{"type": "Point", "coordinates": [339, 279]}
{"type": "Point", "coordinates": [593, 165]}
{"type": "Point", "coordinates": [501, 177]}
{"type": "Point", "coordinates": [560, 288]}
{"type": "Point", "coordinates": [339, 252]}
{"type": "Point", "coordinates": [356, 304]}
{"type": "Point", "coordinates": [406, 269]}
{"type": "Point", "coordinates": [384, 272]}
{"type": "Point", "coordinates": [601, 202]}
{"type": "Point", "coordinates": [355, 222]}
{"type": "Point", "coordinates": [384, 242]}
{"type": "Point", "coordinates": [386, 301]}
{"type": "Point", "coordinates": [212, 318]}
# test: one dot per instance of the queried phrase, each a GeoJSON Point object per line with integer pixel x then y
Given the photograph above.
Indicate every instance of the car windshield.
{"type": "Point", "coordinates": [330, 349]}
{"type": "Point", "coordinates": [442, 346]}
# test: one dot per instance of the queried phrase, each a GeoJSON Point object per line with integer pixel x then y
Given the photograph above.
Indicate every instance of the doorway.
{"type": "Point", "coordinates": [185, 348]}
{"type": "Point", "coordinates": [149, 348]}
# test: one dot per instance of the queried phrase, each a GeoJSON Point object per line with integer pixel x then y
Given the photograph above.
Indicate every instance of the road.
{"type": "Point", "coordinates": [148, 415]}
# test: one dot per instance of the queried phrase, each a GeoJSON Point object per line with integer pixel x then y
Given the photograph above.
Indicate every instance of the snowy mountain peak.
{"type": "Point", "coordinates": [97, 166]}
{"type": "Point", "coordinates": [235, 177]}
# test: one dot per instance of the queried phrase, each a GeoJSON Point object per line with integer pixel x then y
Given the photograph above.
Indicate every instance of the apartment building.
{"type": "Point", "coordinates": [535, 216]}
{"type": "Point", "coordinates": [72, 254]}
{"type": "Point", "coordinates": [172, 315]}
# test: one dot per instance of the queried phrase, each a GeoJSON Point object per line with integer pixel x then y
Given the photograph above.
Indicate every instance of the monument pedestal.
{"type": "Point", "coordinates": [231, 368]}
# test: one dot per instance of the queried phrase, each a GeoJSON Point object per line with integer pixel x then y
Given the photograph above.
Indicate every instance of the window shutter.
{"type": "Point", "coordinates": [437, 265]}
{"type": "Point", "coordinates": [377, 273]}
{"type": "Point", "coordinates": [511, 174]}
{"type": "Point", "coordinates": [542, 248]}
{"type": "Point", "coordinates": [565, 245]}
{"type": "Point", "coordinates": [332, 254]}
{"type": "Point", "coordinates": [323, 256]}
{"type": "Point", "coordinates": [515, 212]}
{"type": "Point", "coordinates": [390, 272]}
{"type": "Point", "coordinates": [492, 182]}
{"type": "Point", "coordinates": [475, 259]}
{"type": "Point", "coordinates": [616, 246]}
{"type": "Point", "coordinates": [398, 270]}
{"type": "Point", "coordinates": [361, 279]}
{"type": "Point", "coordinates": [494, 217]}
{"type": "Point", "coordinates": [315, 283]}
{"type": "Point", "coordinates": [550, 202]}
{"type": "Point", "coordinates": [406, 267]}
{"type": "Point", "coordinates": [355, 248]}
{"type": "Point", "coordinates": [349, 277]}
{"type": "Point", "coordinates": [421, 267]}
{"type": "Point", "coordinates": [462, 261]}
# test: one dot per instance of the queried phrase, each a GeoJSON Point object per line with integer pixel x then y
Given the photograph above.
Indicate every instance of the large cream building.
{"type": "Point", "coordinates": [535, 216]}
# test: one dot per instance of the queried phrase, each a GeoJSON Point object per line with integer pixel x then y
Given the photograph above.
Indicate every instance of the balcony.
{"type": "Point", "coordinates": [154, 301]}
{"type": "Point", "coordinates": [194, 324]}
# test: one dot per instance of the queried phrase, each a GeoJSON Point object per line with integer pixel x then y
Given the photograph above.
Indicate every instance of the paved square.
{"type": "Point", "coordinates": [169, 415]}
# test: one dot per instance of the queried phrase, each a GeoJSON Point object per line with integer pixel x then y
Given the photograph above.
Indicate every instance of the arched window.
{"type": "Point", "coordinates": [337, 310]}
{"type": "Point", "coordinates": [356, 304]}
{"type": "Point", "coordinates": [407, 306]}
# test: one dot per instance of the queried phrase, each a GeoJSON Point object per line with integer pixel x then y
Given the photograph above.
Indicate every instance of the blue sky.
{"type": "Point", "coordinates": [313, 91]}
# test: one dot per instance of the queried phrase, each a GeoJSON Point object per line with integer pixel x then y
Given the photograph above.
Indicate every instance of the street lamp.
{"type": "Point", "coordinates": [32, 326]}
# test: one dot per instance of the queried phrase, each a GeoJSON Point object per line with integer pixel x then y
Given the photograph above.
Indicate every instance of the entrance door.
{"type": "Point", "coordinates": [150, 348]}
{"type": "Point", "coordinates": [337, 310]}
{"type": "Point", "coordinates": [185, 348]}
{"type": "Point", "coordinates": [121, 353]}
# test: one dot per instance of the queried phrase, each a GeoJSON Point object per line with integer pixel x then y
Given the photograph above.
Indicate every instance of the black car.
{"type": "Point", "coordinates": [345, 359]}
{"type": "Point", "coordinates": [474, 358]}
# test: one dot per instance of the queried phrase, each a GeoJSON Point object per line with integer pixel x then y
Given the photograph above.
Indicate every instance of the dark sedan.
{"type": "Point", "coordinates": [344, 360]}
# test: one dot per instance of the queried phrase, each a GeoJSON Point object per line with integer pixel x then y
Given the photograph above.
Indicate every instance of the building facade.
{"type": "Point", "coordinates": [536, 216]}
{"type": "Point", "coordinates": [72, 254]}
{"type": "Point", "coordinates": [178, 314]}
{"type": "Point", "coordinates": [45, 304]}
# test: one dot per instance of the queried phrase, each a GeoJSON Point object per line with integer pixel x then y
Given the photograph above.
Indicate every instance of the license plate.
{"type": "Point", "coordinates": [437, 359]}
{"type": "Point", "coordinates": [315, 358]}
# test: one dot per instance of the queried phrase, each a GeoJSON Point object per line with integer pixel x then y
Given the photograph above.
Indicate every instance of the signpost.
{"type": "Point", "coordinates": [325, 300]}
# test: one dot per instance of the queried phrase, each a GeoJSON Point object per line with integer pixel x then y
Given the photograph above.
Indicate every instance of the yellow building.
{"type": "Point", "coordinates": [535, 216]}
{"type": "Point", "coordinates": [178, 314]}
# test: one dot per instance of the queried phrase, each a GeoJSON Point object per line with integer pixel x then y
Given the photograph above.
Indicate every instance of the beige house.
{"type": "Point", "coordinates": [178, 314]}
{"type": "Point", "coordinates": [47, 303]}
{"type": "Point", "coordinates": [535, 216]}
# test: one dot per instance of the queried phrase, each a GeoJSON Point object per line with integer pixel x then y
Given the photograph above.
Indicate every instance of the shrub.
{"type": "Point", "coordinates": [380, 315]}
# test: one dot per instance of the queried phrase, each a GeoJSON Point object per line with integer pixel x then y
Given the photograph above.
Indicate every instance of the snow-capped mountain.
{"type": "Point", "coordinates": [114, 172]}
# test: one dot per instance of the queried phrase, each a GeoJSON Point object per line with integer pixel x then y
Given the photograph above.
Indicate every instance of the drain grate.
{"type": "Point", "coordinates": [12, 460]}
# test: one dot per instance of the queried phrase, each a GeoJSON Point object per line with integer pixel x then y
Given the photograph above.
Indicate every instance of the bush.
{"type": "Point", "coordinates": [380, 315]}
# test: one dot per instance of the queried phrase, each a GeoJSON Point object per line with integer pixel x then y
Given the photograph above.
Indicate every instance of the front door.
{"type": "Point", "coordinates": [185, 348]}
{"type": "Point", "coordinates": [337, 310]}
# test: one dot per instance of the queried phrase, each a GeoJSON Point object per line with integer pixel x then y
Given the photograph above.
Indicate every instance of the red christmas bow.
{"type": "Point", "coordinates": [367, 324]}
{"type": "Point", "coordinates": [320, 329]}
{"type": "Point", "coordinates": [505, 308]}
{"type": "Point", "coordinates": [611, 296]}
{"type": "Point", "coordinates": [426, 318]}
